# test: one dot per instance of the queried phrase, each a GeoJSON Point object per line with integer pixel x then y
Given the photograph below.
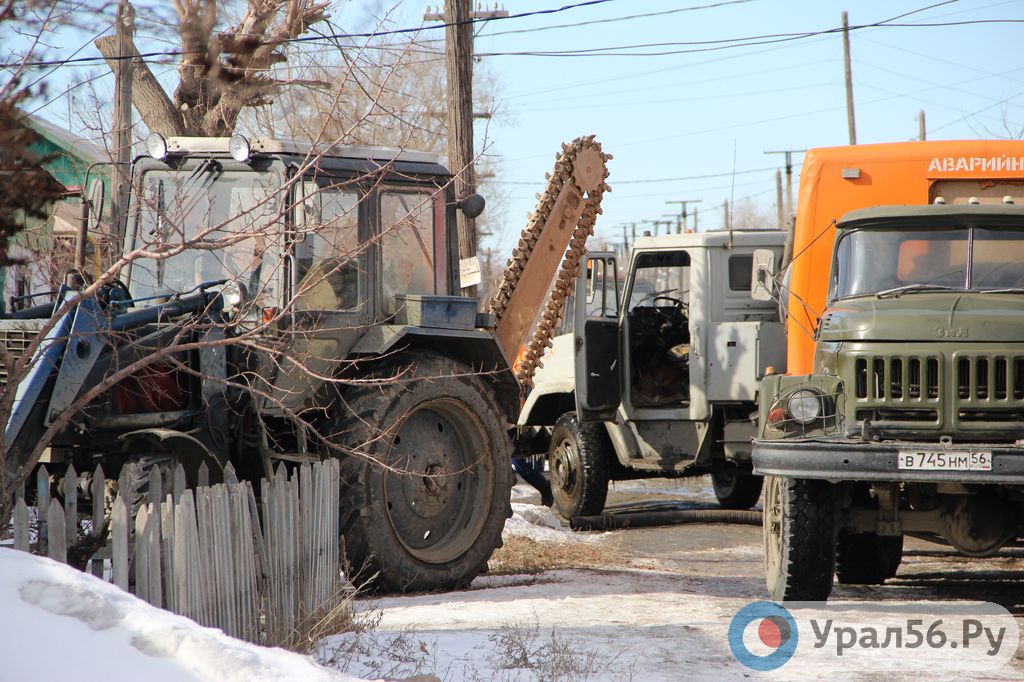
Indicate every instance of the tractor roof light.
{"type": "Point", "coordinates": [156, 146]}
{"type": "Point", "coordinates": [239, 148]}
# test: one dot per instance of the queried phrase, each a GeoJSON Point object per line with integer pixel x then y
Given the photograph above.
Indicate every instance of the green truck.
{"type": "Point", "coordinates": [911, 422]}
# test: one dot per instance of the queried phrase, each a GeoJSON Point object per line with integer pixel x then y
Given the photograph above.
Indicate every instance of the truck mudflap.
{"type": "Point", "coordinates": [858, 461]}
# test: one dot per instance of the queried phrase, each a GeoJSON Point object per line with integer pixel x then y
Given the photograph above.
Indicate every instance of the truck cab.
{"type": "Point", "coordinates": [910, 421]}
{"type": "Point", "coordinates": [656, 373]}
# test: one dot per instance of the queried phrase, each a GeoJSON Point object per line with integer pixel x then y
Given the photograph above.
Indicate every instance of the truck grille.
{"type": "Point", "coordinates": [898, 378]}
{"type": "Point", "coordinates": [15, 340]}
{"type": "Point", "coordinates": [976, 390]}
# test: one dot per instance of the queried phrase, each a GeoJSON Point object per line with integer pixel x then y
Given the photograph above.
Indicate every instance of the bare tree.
{"type": "Point", "coordinates": [26, 189]}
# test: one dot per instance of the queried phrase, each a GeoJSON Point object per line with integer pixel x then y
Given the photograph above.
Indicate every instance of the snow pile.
{"type": "Point", "coordinates": [540, 524]}
{"type": "Point", "coordinates": [54, 615]}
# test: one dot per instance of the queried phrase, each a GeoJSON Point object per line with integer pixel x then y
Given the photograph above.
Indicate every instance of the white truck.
{"type": "Point", "coordinates": [655, 374]}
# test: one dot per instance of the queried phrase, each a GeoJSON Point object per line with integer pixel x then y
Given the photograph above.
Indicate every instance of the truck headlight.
{"type": "Point", "coordinates": [804, 406]}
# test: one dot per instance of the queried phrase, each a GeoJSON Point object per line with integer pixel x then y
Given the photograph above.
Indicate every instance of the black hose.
{"type": "Point", "coordinates": [613, 520]}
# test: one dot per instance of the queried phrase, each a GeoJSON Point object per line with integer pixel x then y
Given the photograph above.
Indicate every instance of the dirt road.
{"type": "Point", "coordinates": [662, 614]}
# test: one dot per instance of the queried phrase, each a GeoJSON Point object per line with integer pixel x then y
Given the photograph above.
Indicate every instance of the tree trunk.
{"type": "Point", "coordinates": [149, 98]}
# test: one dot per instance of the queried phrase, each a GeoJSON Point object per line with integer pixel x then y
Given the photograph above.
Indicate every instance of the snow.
{"type": "Point", "coordinates": [55, 616]}
{"type": "Point", "coordinates": [542, 525]}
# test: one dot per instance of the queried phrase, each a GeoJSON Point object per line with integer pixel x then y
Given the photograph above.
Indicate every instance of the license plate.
{"type": "Point", "coordinates": [945, 460]}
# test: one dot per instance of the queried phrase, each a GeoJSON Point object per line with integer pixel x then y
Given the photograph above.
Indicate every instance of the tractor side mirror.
{"type": "Point", "coordinates": [472, 206]}
{"type": "Point", "coordinates": [762, 278]}
{"type": "Point", "coordinates": [95, 205]}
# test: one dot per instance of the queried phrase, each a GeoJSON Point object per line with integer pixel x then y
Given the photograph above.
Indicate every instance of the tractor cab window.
{"type": "Point", "coordinates": [412, 253]}
{"type": "Point", "coordinates": [327, 249]}
{"type": "Point", "coordinates": [215, 225]}
{"type": "Point", "coordinates": [659, 330]}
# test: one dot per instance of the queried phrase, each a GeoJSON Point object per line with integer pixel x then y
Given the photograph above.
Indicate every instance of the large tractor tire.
{"type": "Point", "coordinates": [799, 539]}
{"type": "Point", "coordinates": [426, 479]}
{"type": "Point", "coordinates": [867, 558]}
{"type": "Point", "coordinates": [735, 488]}
{"type": "Point", "coordinates": [579, 460]}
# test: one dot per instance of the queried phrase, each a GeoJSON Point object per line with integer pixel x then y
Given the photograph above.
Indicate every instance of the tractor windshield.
{"type": "Point", "coordinates": [207, 224]}
{"type": "Point", "coordinates": [891, 262]}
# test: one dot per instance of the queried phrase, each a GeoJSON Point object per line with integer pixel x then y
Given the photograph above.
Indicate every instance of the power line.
{"type": "Point", "coordinates": [314, 38]}
{"type": "Point", "coordinates": [650, 180]}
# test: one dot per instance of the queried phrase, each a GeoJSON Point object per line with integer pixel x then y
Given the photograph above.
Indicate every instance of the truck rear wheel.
{"type": "Point", "coordinates": [578, 460]}
{"type": "Point", "coordinates": [426, 484]}
{"type": "Point", "coordinates": [799, 539]}
{"type": "Point", "coordinates": [867, 558]}
{"type": "Point", "coordinates": [736, 489]}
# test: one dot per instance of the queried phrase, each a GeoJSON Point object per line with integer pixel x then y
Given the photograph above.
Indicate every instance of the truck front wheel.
{"type": "Point", "coordinates": [799, 538]}
{"type": "Point", "coordinates": [426, 478]}
{"type": "Point", "coordinates": [579, 461]}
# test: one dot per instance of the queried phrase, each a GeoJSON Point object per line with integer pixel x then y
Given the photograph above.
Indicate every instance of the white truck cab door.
{"type": "Point", "coordinates": [596, 338]}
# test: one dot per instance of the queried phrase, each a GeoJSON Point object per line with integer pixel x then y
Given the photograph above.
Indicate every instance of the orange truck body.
{"type": "Point", "coordinates": [836, 180]}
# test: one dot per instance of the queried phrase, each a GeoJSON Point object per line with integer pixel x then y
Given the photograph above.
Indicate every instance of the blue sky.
{"type": "Point", "coordinates": [708, 113]}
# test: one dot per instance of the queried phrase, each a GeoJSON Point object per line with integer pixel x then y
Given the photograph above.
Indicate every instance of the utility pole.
{"type": "Point", "coordinates": [778, 198]}
{"type": "Point", "coordinates": [125, 32]}
{"type": "Point", "coordinates": [458, 53]}
{"type": "Point", "coordinates": [920, 126]}
{"type": "Point", "coordinates": [625, 238]}
{"type": "Point", "coordinates": [682, 213]}
{"type": "Point", "coordinates": [677, 219]}
{"type": "Point", "coordinates": [695, 229]}
{"type": "Point", "coordinates": [789, 175]}
{"type": "Point", "coordinates": [849, 80]}
{"type": "Point", "coordinates": [725, 211]}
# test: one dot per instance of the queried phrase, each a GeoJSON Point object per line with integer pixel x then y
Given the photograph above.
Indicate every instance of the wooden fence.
{"type": "Point", "coordinates": [206, 553]}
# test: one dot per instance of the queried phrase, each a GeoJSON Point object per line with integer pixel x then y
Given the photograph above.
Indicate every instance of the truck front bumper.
{"type": "Point", "coordinates": [858, 461]}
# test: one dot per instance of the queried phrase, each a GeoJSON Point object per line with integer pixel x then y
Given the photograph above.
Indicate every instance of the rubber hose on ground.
{"type": "Point", "coordinates": [611, 520]}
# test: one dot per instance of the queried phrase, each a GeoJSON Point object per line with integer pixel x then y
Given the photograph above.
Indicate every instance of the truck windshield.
{"type": "Point", "coordinates": [215, 224]}
{"type": "Point", "coordinates": [887, 262]}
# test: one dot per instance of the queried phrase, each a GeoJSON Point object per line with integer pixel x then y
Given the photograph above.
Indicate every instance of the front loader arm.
{"type": "Point", "coordinates": [65, 359]}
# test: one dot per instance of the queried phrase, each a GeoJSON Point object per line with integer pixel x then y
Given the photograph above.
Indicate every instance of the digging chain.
{"type": "Point", "coordinates": [563, 286]}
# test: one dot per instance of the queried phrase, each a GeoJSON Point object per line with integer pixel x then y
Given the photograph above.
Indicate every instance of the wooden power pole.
{"type": "Point", "coordinates": [921, 130]}
{"type": "Point", "coordinates": [458, 56]}
{"type": "Point", "coordinates": [121, 176]}
{"type": "Point", "coordinates": [789, 176]}
{"type": "Point", "coordinates": [778, 199]}
{"type": "Point", "coordinates": [851, 122]}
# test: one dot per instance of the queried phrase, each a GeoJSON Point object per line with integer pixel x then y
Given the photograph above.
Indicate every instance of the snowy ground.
{"type": "Point", "coordinates": [663, 616]}
{"type": "Point", "coordinates": [661, 612]}
{"type": "Point", "coordinates": [57, 618]}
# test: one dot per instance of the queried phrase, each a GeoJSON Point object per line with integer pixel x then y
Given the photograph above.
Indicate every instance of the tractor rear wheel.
{"type": "Point", "coordinates": [426, 475]}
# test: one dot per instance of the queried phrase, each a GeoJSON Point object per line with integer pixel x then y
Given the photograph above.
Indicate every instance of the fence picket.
{"type": "Point", "coordinates": [167, 542]}
{"type": "Point", "coordinates": [141, 562]}
{"type": "Point", "coordinates": [119, 543]}
{"type": "Point", "coordinates": [21, 525]}
{"type": "Point", "coordinates": [57, 550]}
{"type": "Point", "coordinates": [99, 492]}
{"type": "Point", "coordinates": [156, 486]}
{"type": "Point", "coordinates": [43, 506]}
{"type": "Point", "coordinates": [71, 506]}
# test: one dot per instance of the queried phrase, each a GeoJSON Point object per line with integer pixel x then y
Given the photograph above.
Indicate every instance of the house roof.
{"type": "Point", "coordinates": [72, 144]}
